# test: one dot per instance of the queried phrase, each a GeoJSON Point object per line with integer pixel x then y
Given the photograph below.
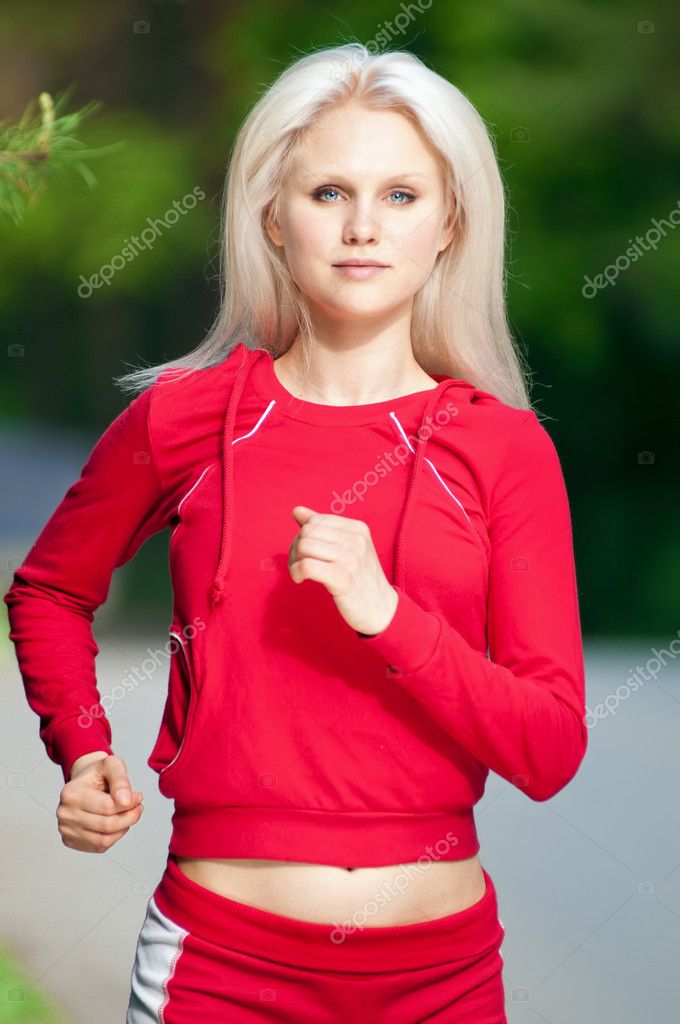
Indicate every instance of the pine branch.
{"type": "Point", "coordinates": [43, 144]}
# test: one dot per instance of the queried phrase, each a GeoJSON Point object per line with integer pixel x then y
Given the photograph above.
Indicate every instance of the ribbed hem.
{"type": "Point", "coordinates": [467, 934]}
{"type": "Point", "coordinates": [74, 740]}
{"type": "Point", "coordinates": [346, 839]}
{"type": "Point", "coordinates": [409, 639]}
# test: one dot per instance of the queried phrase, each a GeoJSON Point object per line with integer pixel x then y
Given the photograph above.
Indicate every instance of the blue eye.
{"type": "Point", "coordinates": [409, 197]}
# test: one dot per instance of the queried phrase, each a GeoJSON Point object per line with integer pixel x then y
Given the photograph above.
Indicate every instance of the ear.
{"type": "Point", "coordinates": [271, 226]}
{"type": "Point", "coordinates": [449, 226]}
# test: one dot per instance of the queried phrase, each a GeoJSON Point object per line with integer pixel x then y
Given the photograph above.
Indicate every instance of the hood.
{"type": "Point", "coordinates": [249, 357]}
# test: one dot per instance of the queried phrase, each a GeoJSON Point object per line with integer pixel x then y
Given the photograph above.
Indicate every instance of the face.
{"type": "Point", "coordinates": [363, 186]}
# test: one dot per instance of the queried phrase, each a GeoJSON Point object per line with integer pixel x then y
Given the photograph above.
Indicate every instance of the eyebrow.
{"type": "Point", "coordinates": [332, 176]}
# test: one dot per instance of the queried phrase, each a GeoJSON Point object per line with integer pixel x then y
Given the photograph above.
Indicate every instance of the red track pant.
{"type": "Point", "coordinates": [203, 958]}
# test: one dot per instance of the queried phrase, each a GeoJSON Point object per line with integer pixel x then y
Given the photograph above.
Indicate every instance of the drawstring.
{"type": "Point", "coordinates": [399, 556]}
{"type": "Point", "coordinates": [217, 587]}
{"type": "Point", "coordinates": [248, 358]}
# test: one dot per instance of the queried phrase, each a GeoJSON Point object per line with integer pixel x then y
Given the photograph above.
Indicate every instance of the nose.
{"type": "Point", "coordinates": [361, 226]}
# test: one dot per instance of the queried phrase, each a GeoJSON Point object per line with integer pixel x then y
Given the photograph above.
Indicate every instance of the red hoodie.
{"type": "Point", "coordinates": [287, 734]}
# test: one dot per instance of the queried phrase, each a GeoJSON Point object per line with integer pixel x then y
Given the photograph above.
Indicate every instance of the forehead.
{"type": "Point", "coordinates": [353, 131]}
{"type": "Point", "coordinates": [365, 145]}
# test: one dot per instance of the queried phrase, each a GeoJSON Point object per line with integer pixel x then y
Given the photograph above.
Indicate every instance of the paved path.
{"type": "Point", "coordinates": [588, 883]}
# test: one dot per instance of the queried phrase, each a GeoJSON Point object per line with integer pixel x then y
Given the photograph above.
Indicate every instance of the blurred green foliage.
{"type": "Point", "coordinates": [20, 1001]}
{"type": "Point", "coordinates": [580, 99]}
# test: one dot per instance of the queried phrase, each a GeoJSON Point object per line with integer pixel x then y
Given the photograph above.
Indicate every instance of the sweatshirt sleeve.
{"type": "Point", "coordinates": [104, 517]}
{"type": "Point", "coordinates": [521, 709]}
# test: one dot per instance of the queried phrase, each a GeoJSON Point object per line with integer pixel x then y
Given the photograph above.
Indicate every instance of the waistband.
{"type": "Point", "coordinates": [465, 935]}
{"type": "Point", "coordinates": [367, 838]}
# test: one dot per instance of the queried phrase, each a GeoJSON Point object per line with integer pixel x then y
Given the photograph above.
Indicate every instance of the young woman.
{"type": "Point", "coordinates": [375, 599]}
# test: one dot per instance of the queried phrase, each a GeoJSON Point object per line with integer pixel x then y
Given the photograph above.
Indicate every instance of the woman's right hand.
{"type": "Point", "coordinates": [97, 805]}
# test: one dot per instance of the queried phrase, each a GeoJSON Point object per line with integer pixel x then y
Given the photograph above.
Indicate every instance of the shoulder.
{"type": "Point", "coordinates": [186, 410]}
{"type": "Point", "coordinates": [183, 399]}
{"type": "Point", "coordinates": [496, 431]}
{"type": "Point", "coordinates": [509, 453]}
{"type": "Point", "coordinates": [179, 389]}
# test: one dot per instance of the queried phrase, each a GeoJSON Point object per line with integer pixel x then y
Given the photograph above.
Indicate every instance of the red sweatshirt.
{"type": "Point", "coordinates": [287, 734]}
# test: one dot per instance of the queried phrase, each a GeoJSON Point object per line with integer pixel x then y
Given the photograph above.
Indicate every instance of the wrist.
{"type": "Point", "coordinates": [85, 759]}
{"type": "Point", "coordinates": [392, 601]}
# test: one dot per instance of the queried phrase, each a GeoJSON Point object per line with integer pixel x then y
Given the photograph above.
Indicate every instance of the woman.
{"type": "Point", "coordinates": [375, 599]}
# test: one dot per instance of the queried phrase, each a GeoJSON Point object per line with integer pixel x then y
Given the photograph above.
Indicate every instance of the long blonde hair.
{"type": "Point", "coordinates": [459, 325]}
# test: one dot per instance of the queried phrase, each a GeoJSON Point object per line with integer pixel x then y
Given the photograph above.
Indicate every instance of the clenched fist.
{"type": "Point", "coordinates": [339, 553]}
{"type": "Point", "coordinates": [97, 805]}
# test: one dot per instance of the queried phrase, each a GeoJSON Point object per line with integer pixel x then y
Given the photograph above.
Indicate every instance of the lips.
{"type": "Point", "coordinates": [360, 263]}
{"type": "Point", "coordinates": [359, 272]}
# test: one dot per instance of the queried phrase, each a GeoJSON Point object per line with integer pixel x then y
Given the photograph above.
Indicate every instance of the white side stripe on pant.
{"type": "Point", "coordinates": [159, 947]}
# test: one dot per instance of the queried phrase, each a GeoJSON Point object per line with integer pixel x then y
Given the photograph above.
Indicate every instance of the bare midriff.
{"type": "Point", "coordinates": [395, 894]}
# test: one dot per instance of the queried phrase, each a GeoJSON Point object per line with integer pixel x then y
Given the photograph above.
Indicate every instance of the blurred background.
{"type": "Point", "coordinates": [582, 101]}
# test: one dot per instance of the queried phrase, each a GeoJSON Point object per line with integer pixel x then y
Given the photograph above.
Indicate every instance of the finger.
{"type": "Point", "coordinates": [91, 842]}
{"type": "Point", "coordinates": [116, 775]}
{"type": "Point", "coordinates": [334, 522]}
{"type": "Point", "coordinates": [98, 802]}
{"type": "Point", "coordinates": [326, 573]}
{"type": "Point", "coordinates": [320, 532]}
{"type": "Point", "coordinates": [340, 541]}
{"type": "Point", "coordinates": [105, 824]}
{"type": "Point", "coordinates": [315, 546]}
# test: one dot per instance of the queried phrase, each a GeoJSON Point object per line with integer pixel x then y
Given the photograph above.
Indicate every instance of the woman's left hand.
{"type": "Point", "coordinates": [339, 553]}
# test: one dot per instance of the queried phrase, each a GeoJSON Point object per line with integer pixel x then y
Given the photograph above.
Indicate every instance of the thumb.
{"type": "Point", "coordinates": [302, 513]}
{"type": "Point", "coordinates": [119, 783]}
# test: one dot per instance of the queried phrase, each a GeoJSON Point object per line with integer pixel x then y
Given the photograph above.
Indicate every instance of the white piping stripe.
{"type": "Point", "coordinates": [447, 489]}
{"type": "Point", "coordinates": [194, 486]}
{"type": "Point", "coordinates": [432, 467]}
{"type": "Point", "coordinates": [257, 425]}
{"type": "Point", "coordinates": [242, 438]}
{"type": "Point", "coordinates": [184, 734]}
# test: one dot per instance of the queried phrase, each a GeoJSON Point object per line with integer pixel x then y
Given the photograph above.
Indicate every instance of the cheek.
{"type": "Point", "coordinates": [308, 233]}
{"type": "Point", "coordinates": [309, 247]}
{"type": "Point", "coordinates": [420, 245]}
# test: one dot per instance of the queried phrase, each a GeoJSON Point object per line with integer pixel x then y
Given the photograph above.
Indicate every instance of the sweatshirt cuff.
{"type": "Point", "coordinates": [72, 741]}
{"type": "Point", "coordinates": [409, 639]}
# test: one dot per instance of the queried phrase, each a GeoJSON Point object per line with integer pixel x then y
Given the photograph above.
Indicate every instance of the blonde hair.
{"type": "Point", "coordinates": [459, 325]}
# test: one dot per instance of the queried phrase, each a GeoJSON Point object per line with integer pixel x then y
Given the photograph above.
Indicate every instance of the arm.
{"type": "Point", "coordinates": [522, 712]}
{"type": "Point", "coordinates": [103, 519]}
